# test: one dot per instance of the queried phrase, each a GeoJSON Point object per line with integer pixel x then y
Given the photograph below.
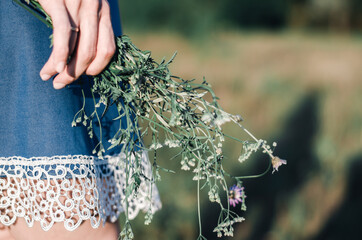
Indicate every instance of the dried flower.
{"type": "Point", "coordinates": [174, 112]}
{"type": "Point", "coordinates": [238, 118]}
{"type": "Point", "coordinates": [277, 162]}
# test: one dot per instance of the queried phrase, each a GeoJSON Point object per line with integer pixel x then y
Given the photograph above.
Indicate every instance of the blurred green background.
{"type": "Point", "coordinates": [293, 70]}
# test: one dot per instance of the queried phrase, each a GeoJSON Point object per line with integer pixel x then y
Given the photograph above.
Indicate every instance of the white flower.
{"type": "Point", "coordinates": [167, 142]}
{"type": "Point", "coordinates": [191, 162]}
{"type": "Point", "coordinates": [184, 164]}
{"type": "Point", "coordinates": [243, 157]}
{"type": "Point", "coordinates": [172, 143]}
{"type": "Point", "coordinates": [210, 158]}
{"type": "Point", "coordinates": [185, 167]}
{"type": "Point", "coordinates": [206, 118]}
{"type": "Point", "coordinates": [221, 119]}
{"type": "Point", "coordinates": [156, 145]}
{"type": "Point", "coordinates": [218, 151]}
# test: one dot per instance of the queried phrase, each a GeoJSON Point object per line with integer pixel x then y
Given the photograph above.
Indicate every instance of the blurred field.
{"type": "Point", "coordinates": [303, 91]}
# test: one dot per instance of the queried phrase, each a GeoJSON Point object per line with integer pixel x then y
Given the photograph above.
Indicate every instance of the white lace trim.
{"type": "Point", "coordinates": [71, 189]}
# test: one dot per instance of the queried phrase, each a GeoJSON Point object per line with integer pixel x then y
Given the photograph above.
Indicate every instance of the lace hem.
{"type": "Point", "coordinates": [71, 189]}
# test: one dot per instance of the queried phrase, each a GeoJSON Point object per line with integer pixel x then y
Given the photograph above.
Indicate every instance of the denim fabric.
{"type": "Point", "coordinates": [35, 119]}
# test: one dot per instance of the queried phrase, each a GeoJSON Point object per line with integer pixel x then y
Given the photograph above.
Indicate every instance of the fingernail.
{"type": "Point", "coordinates": [45, 77]}
{"type": "Point", "coordinates": [60, 67]}
{"type": "Point", "coordinates": [58, 85]}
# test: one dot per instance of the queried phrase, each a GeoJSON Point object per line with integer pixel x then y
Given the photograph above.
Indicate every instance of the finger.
{"type": "Point", "coordinates": [106, 46]}
{"type": "Point", "coordinates": [61, 37]}
{"type": "Point", "coordinates": [48, 69]}
{"type": "Point", "coordinates": [86, 47]}
{"type": "Point", "coordinates": [73, 7]}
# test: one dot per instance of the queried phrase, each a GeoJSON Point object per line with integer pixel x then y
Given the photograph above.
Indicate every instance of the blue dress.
{"type": "Point", "coordinates": [47, 170]}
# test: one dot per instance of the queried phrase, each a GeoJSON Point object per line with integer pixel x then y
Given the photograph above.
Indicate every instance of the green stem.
{"type": "Point", "coordinates": [198, 199]}
{"type": "Point", "coordinates": [258, 175]}
{"type": "Point", "coordinates": [100, 124]}
{"type": "Point", "coordinates": [35, 13]}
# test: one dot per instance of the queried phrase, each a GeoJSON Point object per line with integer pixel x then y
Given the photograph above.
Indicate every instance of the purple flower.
{"type": "Point", "coordinates": [277, 162]}
{"type": "Point", "coordinates": [236, 195]}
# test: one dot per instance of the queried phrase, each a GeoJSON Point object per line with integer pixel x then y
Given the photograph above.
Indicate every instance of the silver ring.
{"type": "Point", "coordinates": [75, 29]}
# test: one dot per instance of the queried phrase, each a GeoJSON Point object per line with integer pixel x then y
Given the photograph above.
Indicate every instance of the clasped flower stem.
{"type": "Point", "coordinates": [174, 112]}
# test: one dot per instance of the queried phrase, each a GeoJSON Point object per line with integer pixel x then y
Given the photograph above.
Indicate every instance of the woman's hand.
{"type": "Point", "coordinates": [82, 30]}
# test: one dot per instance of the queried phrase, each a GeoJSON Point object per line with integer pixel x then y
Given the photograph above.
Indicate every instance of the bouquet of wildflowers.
{"type": "Point", "coordinates": [176, 114]}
